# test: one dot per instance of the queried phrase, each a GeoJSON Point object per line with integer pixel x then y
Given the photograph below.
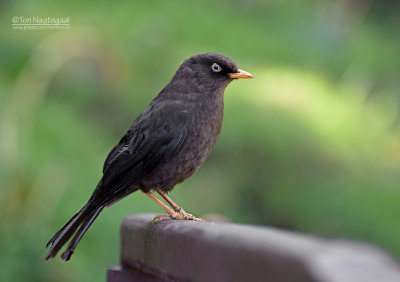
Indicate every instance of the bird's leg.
{"type": "Point", "coordinates": [173, 214]}
{"type": "Point", "coordinates": [169, 200]}
{"type": "Point", "coordinates": [178, 209]}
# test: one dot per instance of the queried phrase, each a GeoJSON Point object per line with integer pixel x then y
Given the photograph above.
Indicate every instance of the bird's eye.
{"type": "Point", "coordinates": [215, 67]}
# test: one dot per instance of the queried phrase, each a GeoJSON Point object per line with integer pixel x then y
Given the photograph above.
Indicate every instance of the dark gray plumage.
{"type": "Point", "coordinates": [166, 144]}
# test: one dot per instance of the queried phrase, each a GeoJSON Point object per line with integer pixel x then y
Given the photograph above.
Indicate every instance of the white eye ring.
{"type": "Point", "coordinates": [215, 67]}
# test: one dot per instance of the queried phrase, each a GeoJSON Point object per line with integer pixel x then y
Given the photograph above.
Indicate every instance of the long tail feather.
{"type": "Point", "coordinates": [82, 220]}
{"type": "Point", "coordinates": [54, 238]}
{"type": "Point", "coordinates": [89, 219]}
{"type": "Point", "coordinates": [65, 233]}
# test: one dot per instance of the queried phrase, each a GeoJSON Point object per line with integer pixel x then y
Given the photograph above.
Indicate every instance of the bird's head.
{"type": "Point", "coordinates": [210, 70]}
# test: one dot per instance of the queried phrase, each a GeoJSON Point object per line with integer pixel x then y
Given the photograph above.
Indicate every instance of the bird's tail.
{"type": "Point", "coordinates": [82, 220]}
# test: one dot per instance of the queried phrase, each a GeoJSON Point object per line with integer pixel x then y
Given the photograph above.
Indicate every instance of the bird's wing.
{"type": "Point", "coordinates": [117, 149]}
{"type": "Point", "coordinates": [155, 136]}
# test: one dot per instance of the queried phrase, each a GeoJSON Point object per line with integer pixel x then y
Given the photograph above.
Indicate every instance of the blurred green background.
{"type": "Point", "coordinates": [311, 144]}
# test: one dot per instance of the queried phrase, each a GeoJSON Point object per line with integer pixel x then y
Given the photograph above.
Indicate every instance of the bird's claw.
{"type": "Point", "coordinates": [160, 218]}
{"type": "Point", "coordinates": [182, 215]}
{"type": "Point", "coordinates": [178, 215]}
{"type": "Point", "coordinates": [188, 216]}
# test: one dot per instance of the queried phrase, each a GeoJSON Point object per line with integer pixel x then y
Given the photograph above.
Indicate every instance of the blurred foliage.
{"type": "Point", "coordinates": [311, 144]}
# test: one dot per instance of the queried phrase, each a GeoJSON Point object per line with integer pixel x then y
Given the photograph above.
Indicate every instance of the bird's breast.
{"type": "Point", "coordinates": [202, 132]}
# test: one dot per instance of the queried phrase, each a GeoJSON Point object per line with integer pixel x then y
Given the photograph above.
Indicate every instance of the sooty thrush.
{"type": "Point", "coordinates": [166, 144]}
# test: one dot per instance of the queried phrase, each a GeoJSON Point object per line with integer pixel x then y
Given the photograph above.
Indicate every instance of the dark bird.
{"type": "Point", "coordinates": [166, 144]}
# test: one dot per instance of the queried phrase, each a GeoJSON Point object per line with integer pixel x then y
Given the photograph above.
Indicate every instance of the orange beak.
{"type": "Point", "coordinates": [241, 74]}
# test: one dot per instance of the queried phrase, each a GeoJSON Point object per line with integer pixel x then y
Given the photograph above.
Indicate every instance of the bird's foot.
{"type": "Point", "coordinates": [160, 218]}
{"type": "Point", "coordinates": [178, 215]}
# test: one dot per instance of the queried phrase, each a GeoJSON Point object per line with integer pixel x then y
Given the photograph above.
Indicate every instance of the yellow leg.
{"type": "Point", "coordinates": [178, 209]}
{"type": "Point", "coordinates": [169, 200]}
{"type": "Point", "coordinates": [177, 213]}
{"type": "Point", "coordinates": [158, 201]}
